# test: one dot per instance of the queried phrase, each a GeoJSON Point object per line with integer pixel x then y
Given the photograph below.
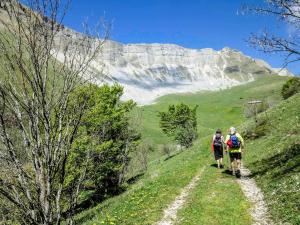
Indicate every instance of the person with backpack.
{"type": "Point", "coordinates": [218, 147]}
{"type": "Point", "coordinates": [235, 146]}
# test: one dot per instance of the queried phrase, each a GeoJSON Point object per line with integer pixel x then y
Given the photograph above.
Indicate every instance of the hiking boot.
{"type": "Point", "coordinates": [238, 174]}
{"type": "Point", "coordinates": [222, 167]}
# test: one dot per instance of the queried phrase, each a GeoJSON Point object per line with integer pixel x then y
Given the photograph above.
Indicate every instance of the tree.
{"type": "Point", "coordinates": [287, 11]}
{"type": "Point", "coordinates": [105, 138]}
{"type": "Point", "coordinates": [180, 122]}
{"type": "Point", "coordinates": [291, 87]}
{"type": "Point", "coordinates": [37, 126]}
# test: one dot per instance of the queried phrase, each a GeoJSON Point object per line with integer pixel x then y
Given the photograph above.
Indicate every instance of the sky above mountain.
{"type": "Point", "coordinates": [189, 23]}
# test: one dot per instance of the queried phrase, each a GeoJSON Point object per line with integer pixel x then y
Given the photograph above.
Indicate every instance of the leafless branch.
{"type": "Point", "coordinates": [41, 63]}
{"type": "Point", "coordinates": [287, 11]}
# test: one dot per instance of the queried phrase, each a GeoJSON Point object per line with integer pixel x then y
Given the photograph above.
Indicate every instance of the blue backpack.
{"type": "Point", "coordinates": [235, 141]}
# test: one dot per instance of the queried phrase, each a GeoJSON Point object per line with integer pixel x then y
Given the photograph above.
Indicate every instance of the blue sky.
{"type": "Point", "coordinates": [189, 23]}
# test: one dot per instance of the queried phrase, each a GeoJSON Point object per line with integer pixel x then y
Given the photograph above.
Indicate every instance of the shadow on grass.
{"type": "Point", "coordinates": [173, 155]}
{"type": "Point", "coordinates": [95, 198]}
{"type": "Point", "coordinates": [227, 172]}
{"type": "Point", "coordinates": [281, 164]}
{"type": "Point", "coordinates": [135, 178]}
{"type": "Point", "coordinates": [214, 165]}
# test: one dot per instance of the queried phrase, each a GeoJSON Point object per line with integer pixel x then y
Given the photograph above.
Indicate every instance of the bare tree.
{"type": "Point", "coordinates": [37, 124]}
{"type": "Point", "coordinates": [287, 11]}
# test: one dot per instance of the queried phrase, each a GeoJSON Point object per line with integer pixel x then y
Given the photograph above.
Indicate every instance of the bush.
{"type": "Point", "coordinates": [252, 110]}
{"type": "Point", "coordinates": [291, 87]}
{"type": "Point", "coordinates": [105, 139]}
{"type": "Point", "coordinates": [139, 161]}
{"type": "Point", "coordinates": [167, 149]}
{"type": "Point", "coordinates": [180, 122]}
{"type": "Point", "coordinates": [143, 152]}
{"type": "Point", "coordinates": [255, 130]}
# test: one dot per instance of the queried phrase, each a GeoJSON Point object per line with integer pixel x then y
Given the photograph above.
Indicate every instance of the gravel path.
{"type": "Point", "coordinates": [259, 210]}
{"type": "Point", "coordinates": [170, 214]}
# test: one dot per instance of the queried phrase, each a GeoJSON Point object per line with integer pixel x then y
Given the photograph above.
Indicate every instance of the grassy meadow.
{"type": "Point", "coordinates": [217, 198]}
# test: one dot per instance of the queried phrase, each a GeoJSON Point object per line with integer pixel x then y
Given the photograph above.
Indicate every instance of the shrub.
{"type": "Point", "coordinates": [252, 110]}
{"type": "Point", "coordinates": [143, 152]}
{"type": "Point", "coordinates": [167, 149]}
{"type": "Point", "coordinates": [105, 138]}
{"type": "Point", "coordinates": [255, 130]}
{"type": "Point", "coordinates": [180, 122]}
{"type": "Point", "coordinates": [291, 87]}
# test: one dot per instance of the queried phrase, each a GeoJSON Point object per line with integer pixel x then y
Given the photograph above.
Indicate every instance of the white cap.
{"type": "Point", "coordinates": [232, 130]}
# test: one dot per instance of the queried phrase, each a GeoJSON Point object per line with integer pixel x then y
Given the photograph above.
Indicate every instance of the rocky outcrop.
{"type": "Point", "coordinates": [148, 71]}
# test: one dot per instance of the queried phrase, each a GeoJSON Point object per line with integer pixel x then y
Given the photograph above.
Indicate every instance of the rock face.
{"type": "Point", "coordinates": [148, 71]}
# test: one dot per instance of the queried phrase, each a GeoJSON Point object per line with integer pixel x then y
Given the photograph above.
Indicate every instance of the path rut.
{"type": "Point", "coordinates": [170, 213]}
{"type": "Point", "coordinates": [259, 209]}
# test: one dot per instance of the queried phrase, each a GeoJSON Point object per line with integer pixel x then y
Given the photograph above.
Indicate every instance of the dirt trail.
{"type": "Point", "coordinates": [170, 214]}
{"type": "Point", "coordinates": [259, 210]}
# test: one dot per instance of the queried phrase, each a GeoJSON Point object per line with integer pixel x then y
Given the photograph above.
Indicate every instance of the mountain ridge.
{"type": "Point", "coordinates": [148, 71]}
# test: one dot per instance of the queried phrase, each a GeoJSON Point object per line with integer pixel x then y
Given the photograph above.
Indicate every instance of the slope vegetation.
{"type": "Point", "coordinates": [274, 158]}
{"type": "Point", "coordinates": [145, 200]}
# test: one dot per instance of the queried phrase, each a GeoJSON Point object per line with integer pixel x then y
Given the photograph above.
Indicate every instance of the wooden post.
{"type": "Point", "coordinates": [254, 104]}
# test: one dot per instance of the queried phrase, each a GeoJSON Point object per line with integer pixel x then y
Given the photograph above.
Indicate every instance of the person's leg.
{"type": "Point", "coordinates": [217, 155]}
{"type": "Point", "coordinates": [229, 161]}
{"type": "Point", "coordinates": [238, 169]}
{"type": "Point", "coordinates": [221, 162]}
{"type": "Point", "coordinates": [232, 162]}
{"type": "Point", "coordinates": [238, 161]}
{"type": "Point", "coordinates": [238, 158]}
{"type": "Point", "coordinates": [218, 162]}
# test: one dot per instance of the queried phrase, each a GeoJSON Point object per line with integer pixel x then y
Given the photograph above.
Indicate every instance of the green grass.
{"type": "Point", "coordinates": [217, 199]}
{"type": "Point", "coordinates": [216, 109]}
{"type": "Point", "coordinates": [274, 159]}
{"type": "Point", "coordinates": [144, 201]}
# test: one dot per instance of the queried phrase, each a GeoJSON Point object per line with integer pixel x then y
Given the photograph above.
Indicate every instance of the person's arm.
{"type": "Point", "coordinates": [212, 143]}
{"type": "Point", "coordinates": [242, 141]}
{"type": "Point", "coordinates": [223, 142]}
{"type": "Point", "coordinates": [213, 139]}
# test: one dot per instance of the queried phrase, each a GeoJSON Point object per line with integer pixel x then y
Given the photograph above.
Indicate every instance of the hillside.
{"type": "Point", "coordinates": [149, 71]}
{"type": "Point", "coordinates": [144, 201]}
{"type": "Point", "coordinates": [274, 158]}
{"type": "Point", "coordinates": [192, 76]}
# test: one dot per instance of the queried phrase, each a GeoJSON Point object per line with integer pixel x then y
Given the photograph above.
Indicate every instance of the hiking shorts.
{"type": "Point", "coordinates": [218, 152]}
{"type": "Point", "coordinates": [235, 155]}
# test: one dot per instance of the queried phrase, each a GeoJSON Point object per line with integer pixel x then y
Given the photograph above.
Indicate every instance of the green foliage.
{"type": "Point", "coordinates": [180, 122]}
{"type": "Point", "coordinates": [274, 159]}
{"type": "Point", "coordinates": [291, 87]}
{"type": "Point", "coordinates": [251, 110]}
{"type": "Point", "coordinates": [105, 138]}
{"type": "Point", "coordinates": [146, 199]}
{"type": "Point", "coordinates": [141, 154]}
{"type": "Point", "coordinates": [256, 129]}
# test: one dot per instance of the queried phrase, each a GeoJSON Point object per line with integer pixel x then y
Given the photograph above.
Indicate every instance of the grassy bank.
{"type": "Point", "coordinates": [144, 201]}
{"type": "Point", "coordinates": [274, 158]}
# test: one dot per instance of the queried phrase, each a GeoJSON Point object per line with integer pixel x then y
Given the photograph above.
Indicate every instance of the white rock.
{"type": "Point", "coordinates": [148, 71]}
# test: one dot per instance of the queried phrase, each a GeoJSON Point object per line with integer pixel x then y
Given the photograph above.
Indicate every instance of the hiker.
{"type": "Point", "coordinates": [218, 147]}
{"type": "Point", "coordinates": [235, 147]}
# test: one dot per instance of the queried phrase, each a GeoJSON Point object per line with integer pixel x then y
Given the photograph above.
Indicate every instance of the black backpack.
{"type": "Point", "coordinates": [218, 140]}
